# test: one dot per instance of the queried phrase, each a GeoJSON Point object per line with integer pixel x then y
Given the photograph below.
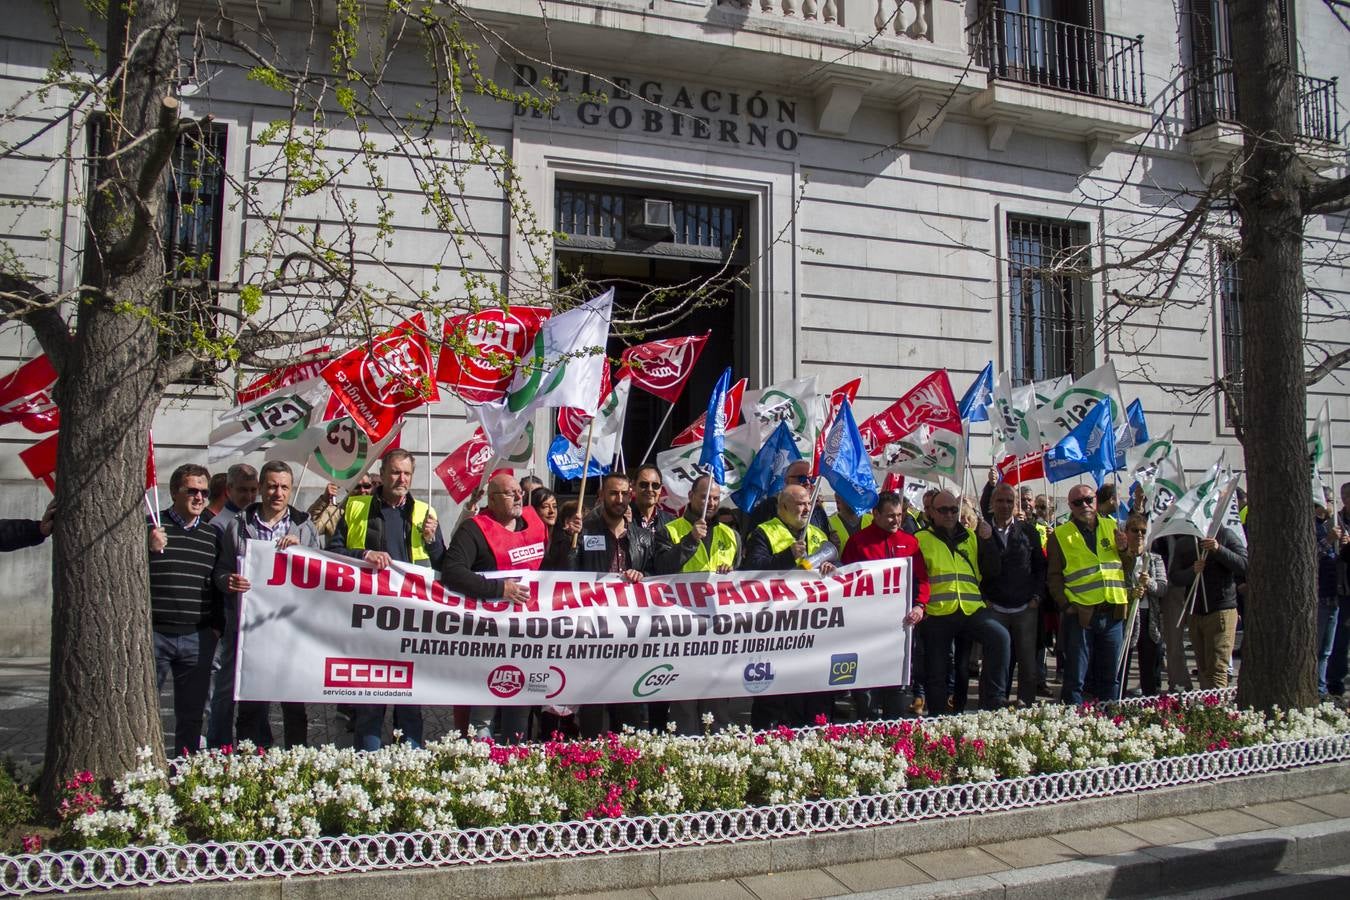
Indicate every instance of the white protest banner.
{"type": "Point", "coordinates": [321, 628]}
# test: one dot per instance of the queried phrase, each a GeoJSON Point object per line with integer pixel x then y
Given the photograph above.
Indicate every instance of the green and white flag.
{"type": "Point", "coordinates": [795, 402]}
{"type": "Point", "coordinates": [1011, 417]}
{"type": "Point", "coordinates": [339, 450]}
{"type": "Point", "coordinates": [680, 466]}
{"type": "Point", "coordinates": [607, 427]}
{"type": "Point", "coordinates": [1156, 466]}
{"type": "Point", "coordinates": [1319, 454]}
{"type": "Point", "coordinates": [927, 453]}
{"type": "Point", "coordinates": [281, 415]}
{"type": "Point", "coordinates": [1193, 513]}
{"type": "Point", "coordinates": [567, 365]}
{"type": "Point", "coordinates": [1065, 405]}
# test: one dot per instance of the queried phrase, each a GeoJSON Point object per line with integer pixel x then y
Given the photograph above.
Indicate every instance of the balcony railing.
{"type": "Point", "coordinates": [1045, 52]}
{"type": "Point", "coordinates": [1214, 99]}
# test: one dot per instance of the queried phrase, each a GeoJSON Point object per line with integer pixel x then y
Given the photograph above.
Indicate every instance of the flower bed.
{"type": "Point", "coordinates": [282, 812]}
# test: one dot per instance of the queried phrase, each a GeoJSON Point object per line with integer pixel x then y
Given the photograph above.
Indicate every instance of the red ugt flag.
{"type": "Point", "coordinates": [377, 384]}
{"type": "Point", "coordinates": [500, 337]}
{"type": "Point", "coordinates": [662, 367]}
{"type": "Point", "coordinates": [929, 403]}
{"type": "Point", "coordinates": [1017, 469]}
{"type": "Point", "coordinates": [732, 404]}
{"type": "Point", "coordinates": [26, 396]}
{"type": "Point", "coordinates": [462, 471]}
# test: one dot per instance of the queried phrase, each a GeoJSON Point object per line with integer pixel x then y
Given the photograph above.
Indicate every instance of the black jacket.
{"type": "Point", "coordinates": [1224, 567]}
{"type": "Point", "coordinates": [1021, 573]}
{"type": "Point", "coordinates": [563, 557]}
{"type": "Point", "coordinates": [15, 534]}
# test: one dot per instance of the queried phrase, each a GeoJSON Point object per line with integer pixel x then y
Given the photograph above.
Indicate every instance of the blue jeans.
{"type": "Point", "coordinates": [220, 727]}
{"type": "Point", "coordinates": [188, 658]}
{"type": "Point", "coordinates": [937, 634]}
{"type": "Point", "coordinates": [368, 725]}
{"type": "Point", "coordinates": [1328, 617]}
{"type": "Point", "coordinates": [1092, 655]}
{"type": "Point", "coordinates": [1340, 651]}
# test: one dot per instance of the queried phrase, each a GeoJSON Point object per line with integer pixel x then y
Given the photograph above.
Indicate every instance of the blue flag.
{"type": "Point", "coordinates": [1089, 447]}
{"type": "Point", "coordinates": [565, 460]}
{"type": "Point", "coordinates": [767, 474]}
{"type": "Point", "coordinates": [1134, 433]}
{"type": "Point", "coordinates": [846, 465]}
{"type": "Point", "coordinates": [715, 430]}
{"type": "Point", "coordinates": [974, 406]}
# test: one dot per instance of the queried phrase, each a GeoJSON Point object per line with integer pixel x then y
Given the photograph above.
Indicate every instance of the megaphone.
{"type": "Point", "coordinates": [826, 553]}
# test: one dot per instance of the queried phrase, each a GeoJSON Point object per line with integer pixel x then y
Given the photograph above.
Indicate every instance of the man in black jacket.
{"type": "Point", "coordinates": [606, 542]}
{"type": "Point", "coordinates": [1219, 562]}
{"type": "Point", "coordinates": [1014, 593]}
{"type": "Point", "coordinates": [15, 534]}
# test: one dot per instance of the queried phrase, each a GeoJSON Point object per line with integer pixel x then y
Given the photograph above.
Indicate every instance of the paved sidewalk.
{"type": "Point", "coordinates": [1269, 846]}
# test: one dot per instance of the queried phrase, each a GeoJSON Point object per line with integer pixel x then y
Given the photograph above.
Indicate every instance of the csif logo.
{"type": "Point", "coordinates": [654, 680]}
{"type": "Point", "coordinates": [757, 676]}
{"type": "Point", "coordinates": [345, 672]}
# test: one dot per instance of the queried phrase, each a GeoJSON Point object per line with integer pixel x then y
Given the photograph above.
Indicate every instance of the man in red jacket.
{"type": "Point", "coordinates": [884, 539]}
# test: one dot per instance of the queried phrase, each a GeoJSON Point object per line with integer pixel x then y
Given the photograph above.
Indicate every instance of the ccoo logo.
{"type": "Point", "coordinates": [346, 672]}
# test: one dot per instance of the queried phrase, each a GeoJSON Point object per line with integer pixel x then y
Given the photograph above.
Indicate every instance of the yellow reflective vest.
{"type": "Point", "coordinates": [1043, 530]}
{"type": "Point", "coordinates": [780, 538]}
{"type": "Point", "coordinates": [841, 530]}
{"type": "Point", "coordinates": [357, 515]}
{"type": "Point", "coordinates": [953, 578]}
{"type": "Point", "coordinates": [1092, 575]}
{"type": "Point", "coordinates": [724, 545]}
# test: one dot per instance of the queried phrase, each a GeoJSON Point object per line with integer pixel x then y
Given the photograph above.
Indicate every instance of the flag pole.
{"type": "Point", "coordinates": [1331, 451]}
{"type": "Point", "coordinates": [656, 436]}
{"type": "Point", "coordinates": [430, 464]}
{"type": "Point", "coordinates": [467, 507]}
{"type": "Point", "coordinates": [585, 471]}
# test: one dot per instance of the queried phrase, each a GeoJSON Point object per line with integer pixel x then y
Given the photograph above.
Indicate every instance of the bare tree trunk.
{"type": "Point", "coordinates": [1278, 664]}
{"type": "Point", "coordinates": [103, 705]}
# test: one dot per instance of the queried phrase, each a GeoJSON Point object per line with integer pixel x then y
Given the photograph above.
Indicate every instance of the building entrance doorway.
{"type": "Point", "coordinates": [660, 251]}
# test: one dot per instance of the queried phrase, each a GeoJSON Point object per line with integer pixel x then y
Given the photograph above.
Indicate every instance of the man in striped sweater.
{"type": "Point", "coordinates": [186, 610]}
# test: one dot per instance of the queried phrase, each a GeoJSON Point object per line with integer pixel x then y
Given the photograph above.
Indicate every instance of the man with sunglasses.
{"type": "Point", "coordinates": [325, 512]}
{"type": "Point", "coordinates": [1087, 580]}
{"type": "Point", "coordinates": [957, 560]}
{"type": "Point", "coordinates": [1015, 594]}
{"type": "Point", "coordinates": [798, 473]}
{"type": "Point", "coordinates": [647, 510]}
{"type": "Point", "coordinates": [186, 612]}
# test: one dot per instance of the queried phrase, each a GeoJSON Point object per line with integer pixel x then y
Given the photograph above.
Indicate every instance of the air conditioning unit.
{"type": "Point", "coordinates": [654, 221]}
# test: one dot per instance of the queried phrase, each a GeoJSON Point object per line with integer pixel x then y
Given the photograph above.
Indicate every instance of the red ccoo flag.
{"type": "Point", "coordinates": [26, 396]}
{"type": "Point", "coordinates": [380, 382]}
{"type": "Point", "coordinates": [462, 471]}
{"type": "Point", "coordinates": [662, 367]}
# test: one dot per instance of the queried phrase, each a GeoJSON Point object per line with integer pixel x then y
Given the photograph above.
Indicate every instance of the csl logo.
{"type": "Point", "coordinates": [654, 680]}
{"type": "Point", "coordinates": [505, 681]}
{"type": "Point", "coordinates": [843, 668]}
{"type": "Point", "coordinates": [757, 676]}
{"type": "Point", "coordinates": [342, 672]}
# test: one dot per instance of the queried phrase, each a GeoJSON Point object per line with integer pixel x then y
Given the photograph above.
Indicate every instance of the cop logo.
{"type": "Point", "coordinates": [505, 681]}
{"type": "Point", "coordinates": [757, 676]}
{"type": "Point", "coordinates": [843, 669]}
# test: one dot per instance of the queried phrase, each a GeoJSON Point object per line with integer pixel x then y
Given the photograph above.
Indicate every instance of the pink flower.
{"type": "Point", "coordinates": [32, 843]}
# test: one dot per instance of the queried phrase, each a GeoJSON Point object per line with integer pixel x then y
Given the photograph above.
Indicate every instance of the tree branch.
{"type": "Point", "coordinates": [1326, 196]}
{"type": "Point", "coordinates": [37, 309]}
{"type": "Point", "coordinates": [161, 151]}
{"type": "Point", "coordinates": [1328, 365]}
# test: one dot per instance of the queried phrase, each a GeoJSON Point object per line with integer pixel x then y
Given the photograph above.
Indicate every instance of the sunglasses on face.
{"type": "Point", "coordinates": [1138, 531]}
{"type": "Point", "coordinates": [196, 492]}
{"type": "Point", "coordinates": [1083, 501]}
{"type": "Point", "coordinates": [363, 488]}
{"type": "Point", "coordinates": [802, 480]}
{"type": "Point", "coordinates": [947, 510]}
{"type": "Point", "coordinates": [649, 485]}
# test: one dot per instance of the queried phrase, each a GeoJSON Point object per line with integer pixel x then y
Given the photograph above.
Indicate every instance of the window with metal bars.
{"type": "Point", "coordinates": [597, 217]}
{"type": "Point", "coordinates": [190, 231]}
{"type": "Point", "coordinates": [1050, 311]}
{"type": "Point", "coordinates": [1230, 324]}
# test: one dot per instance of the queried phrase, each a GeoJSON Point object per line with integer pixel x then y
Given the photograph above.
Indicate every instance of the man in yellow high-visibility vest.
{"type": "Point", "coordinates": [958, 560]}
{"type": "Point", "coordinates": [1087, 581]}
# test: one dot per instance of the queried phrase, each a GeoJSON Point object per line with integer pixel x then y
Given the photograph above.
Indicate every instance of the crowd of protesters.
{"type": "Point", "coordinates": [1000, 588]}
